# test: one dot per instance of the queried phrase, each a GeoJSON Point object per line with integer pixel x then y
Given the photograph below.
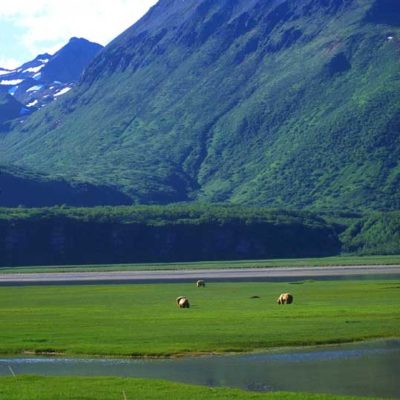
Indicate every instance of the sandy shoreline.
{"type": "Point", "coordinates": [236, 274]}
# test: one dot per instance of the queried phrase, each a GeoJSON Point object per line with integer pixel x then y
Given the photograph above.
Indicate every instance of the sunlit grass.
{"type": "Point", "coordinates": [142, 320]}
{"type": "Point", "coordinates": [73, 388]}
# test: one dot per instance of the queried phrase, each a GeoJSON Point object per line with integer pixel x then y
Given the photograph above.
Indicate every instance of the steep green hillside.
{"type": "Point", "coordinates": [281, 102]}
{"type": "Point", "coordinates": [376, 233]}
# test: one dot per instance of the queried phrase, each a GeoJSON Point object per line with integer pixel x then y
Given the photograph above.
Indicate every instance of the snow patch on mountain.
{"type": "Point", "coordinates": [34, 88]}
{"type": "Point", "coordinates": [33, 103]}
{"type": "Point", "coordinates": [11, 82]}
{"type": "Point", "coordinates": [63, 91]}
{"type": "Point", "coordinates": [34, 69]}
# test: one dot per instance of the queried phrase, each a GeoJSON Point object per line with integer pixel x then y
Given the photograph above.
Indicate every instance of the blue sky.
{"type": "Point", "coordinates": [32, 27]}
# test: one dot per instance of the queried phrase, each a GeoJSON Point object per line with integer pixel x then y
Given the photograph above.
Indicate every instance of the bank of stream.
{"type": "Point", "coordinates": [363, 369]}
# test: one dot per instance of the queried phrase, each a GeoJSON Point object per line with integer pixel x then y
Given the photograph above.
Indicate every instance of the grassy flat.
{"type": "Point", "coordinates": [143, 320]}
{"type": "Point", "coordinates": [66, 388]}
{"type": "Point", "coordinates": [289, 262]}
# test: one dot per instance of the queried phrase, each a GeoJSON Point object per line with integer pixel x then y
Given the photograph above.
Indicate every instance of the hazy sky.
{"type": "Point", "coordinates": [31, 27]}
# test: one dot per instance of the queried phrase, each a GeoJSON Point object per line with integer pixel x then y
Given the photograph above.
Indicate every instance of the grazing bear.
{"type": "Point", "coordinates": [200, 283]}
{"type": "Point", "coordinates": [182, 302]}
{"type": "Point", "coordinates": [285, 298]}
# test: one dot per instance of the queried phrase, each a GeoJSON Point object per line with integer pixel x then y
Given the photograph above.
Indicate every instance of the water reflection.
{"type": "Point", "coordinates": [368, 369]}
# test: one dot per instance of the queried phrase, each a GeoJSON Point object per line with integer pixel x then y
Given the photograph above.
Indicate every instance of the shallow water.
{"type": "Point", "coordinates": [363, 369]}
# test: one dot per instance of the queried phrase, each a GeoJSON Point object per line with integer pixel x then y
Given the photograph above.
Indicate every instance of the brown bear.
{"type": "Point", "coordinates": [200, 283]}
{"type": "Point", "coordinates": [182, 302]}
{"type": "Point", "coordinates": [285, 298]}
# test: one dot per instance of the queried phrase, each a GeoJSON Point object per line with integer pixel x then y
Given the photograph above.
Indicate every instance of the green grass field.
{"type": "Point", "coordinates": [143, 320]}
{"type": "Point", "coordinates": [288, 262]}
{"type": "Point", "coordinates": [39, 388]}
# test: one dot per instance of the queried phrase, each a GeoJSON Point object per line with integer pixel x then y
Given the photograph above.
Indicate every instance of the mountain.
{"type": "Point", "coordinates": [284, 103]}
{"type": "Point", "coordinates": [69, 62]}
{"type": "Point", "coordinates": [38, 82]}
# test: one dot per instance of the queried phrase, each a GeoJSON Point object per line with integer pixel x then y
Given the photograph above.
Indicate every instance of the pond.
{"type": "Point", "coordinates": [363, 369]}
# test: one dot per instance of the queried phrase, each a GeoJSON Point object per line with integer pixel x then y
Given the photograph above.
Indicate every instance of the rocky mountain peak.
{"type": "Point", "coordinates": [42, 80]}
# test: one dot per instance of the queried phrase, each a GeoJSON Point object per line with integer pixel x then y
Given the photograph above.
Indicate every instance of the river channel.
{"type": "Point", "coordinates": [363, 369]}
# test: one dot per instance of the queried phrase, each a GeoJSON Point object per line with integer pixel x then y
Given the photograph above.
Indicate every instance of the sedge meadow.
{"type": "Point", "coordinates": [143, 321]}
